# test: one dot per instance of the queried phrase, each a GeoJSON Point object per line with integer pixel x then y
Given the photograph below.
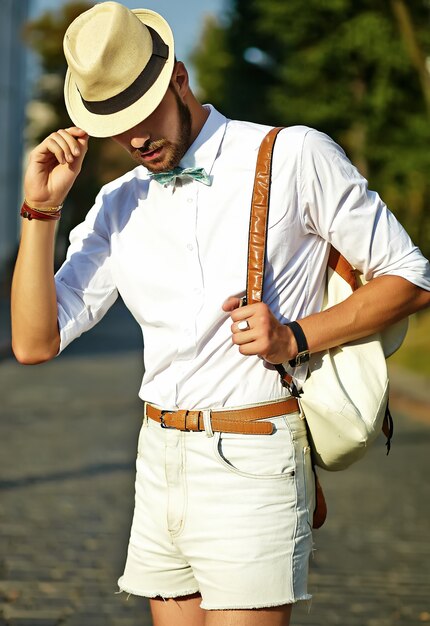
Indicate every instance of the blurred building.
{"type": "Point", "coordinates": [13, 79]}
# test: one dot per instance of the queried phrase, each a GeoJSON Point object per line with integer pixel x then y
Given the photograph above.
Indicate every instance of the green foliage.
{"type": "Point", "coordinates": [346, 67]}
{"type": "Point", "coordinates": [104, 160]}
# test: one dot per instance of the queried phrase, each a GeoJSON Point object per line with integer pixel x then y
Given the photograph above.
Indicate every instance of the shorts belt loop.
{"type": "Point", "coordinates": [145, 415]}
{"type": "Point", "coordinates": [207, 423]}
{"type": "Point", "coordinates": [302, 415]}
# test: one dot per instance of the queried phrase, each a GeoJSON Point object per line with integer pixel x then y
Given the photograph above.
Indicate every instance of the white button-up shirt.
{"type": "Point", "coordinates": [176, 252]}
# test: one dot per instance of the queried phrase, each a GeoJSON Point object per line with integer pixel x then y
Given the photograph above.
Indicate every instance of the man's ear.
{"type": "Point", "coordinates": [180, 79]}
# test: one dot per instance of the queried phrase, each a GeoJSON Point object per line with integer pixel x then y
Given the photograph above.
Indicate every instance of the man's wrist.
{"type": "Point", "coordinates": [302, 355]}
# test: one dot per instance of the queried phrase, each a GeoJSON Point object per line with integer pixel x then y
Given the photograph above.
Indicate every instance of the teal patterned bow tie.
{"type": "Point", "coordinates": [196, 173]}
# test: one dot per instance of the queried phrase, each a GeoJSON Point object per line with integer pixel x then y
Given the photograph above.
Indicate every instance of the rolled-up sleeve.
{"type": "Point", "coordinates": [338, 206]}
{"type": "Point", "coordinates": [84, 283]}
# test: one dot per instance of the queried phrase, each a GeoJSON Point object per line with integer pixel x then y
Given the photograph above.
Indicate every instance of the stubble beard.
{"type": "Point", "coordinates": [173, 151]}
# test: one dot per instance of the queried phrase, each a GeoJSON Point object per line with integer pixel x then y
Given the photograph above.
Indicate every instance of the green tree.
{"type": "Point", "coordinates": [104, 160]}
{"type": "Point", "coordinates": [355, 69]}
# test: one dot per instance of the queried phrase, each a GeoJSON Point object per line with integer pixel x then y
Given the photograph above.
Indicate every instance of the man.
{"type": "Point", "coordinates": [222, 525]}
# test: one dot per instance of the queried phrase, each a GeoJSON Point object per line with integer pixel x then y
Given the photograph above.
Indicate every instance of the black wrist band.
{"type": "Point", "coordinates": [302, 345]}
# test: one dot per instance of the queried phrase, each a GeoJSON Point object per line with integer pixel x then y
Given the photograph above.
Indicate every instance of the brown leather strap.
{"type": "Point", "coordinates": [341, 266]}
{"type": "Point", "coordinates": [244, 421]}
{"type": "Point", "coordinates": [258, 220]}
{"type": "Point", "coordinates": [258, 227]}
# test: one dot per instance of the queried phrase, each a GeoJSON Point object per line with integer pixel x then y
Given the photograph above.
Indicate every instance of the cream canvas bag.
{"type": "Point", "coordinates": [345, 397]}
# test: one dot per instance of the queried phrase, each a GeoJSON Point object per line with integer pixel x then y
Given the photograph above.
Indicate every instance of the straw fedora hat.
{"type": "Point", "coordinates": [120, 64]}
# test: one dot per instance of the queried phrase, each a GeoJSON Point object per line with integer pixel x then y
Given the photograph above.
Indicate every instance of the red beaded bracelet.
{"type": "Point", "coordinates": [34, 214]}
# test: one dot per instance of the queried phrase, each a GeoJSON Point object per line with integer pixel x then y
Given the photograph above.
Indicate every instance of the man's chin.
{"type": "Point", "coordinates": [158, 167]}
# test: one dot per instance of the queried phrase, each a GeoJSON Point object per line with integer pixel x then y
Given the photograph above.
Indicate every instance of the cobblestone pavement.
{"type": "Point", "coordinates": [68, 433]}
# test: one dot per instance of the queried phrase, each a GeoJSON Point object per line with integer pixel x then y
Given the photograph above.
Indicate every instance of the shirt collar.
{"type": "Point", "coordinates": [204, 150]}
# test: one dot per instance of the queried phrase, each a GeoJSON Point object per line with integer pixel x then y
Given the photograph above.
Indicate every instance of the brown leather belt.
{"type": "Point", "coordinates": [243, 421]}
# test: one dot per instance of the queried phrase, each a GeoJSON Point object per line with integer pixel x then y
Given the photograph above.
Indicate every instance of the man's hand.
{"type": "Point", "coordinates": [266, 336]}
{"type": "Point", "coordinates": [53, 167]}
{"type": "Point", "coordinates": [381, 302]}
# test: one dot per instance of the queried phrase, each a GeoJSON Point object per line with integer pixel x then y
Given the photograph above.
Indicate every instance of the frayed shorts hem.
{"type": "Point", "coordinates": [210, 607]}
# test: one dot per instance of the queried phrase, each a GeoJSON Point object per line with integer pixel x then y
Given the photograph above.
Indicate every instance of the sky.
{"type": "Point", "coordinates": [186, 18]}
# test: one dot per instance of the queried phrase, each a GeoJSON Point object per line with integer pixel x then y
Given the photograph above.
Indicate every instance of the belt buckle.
{"type": "Point", "coordinates": [162, 422]}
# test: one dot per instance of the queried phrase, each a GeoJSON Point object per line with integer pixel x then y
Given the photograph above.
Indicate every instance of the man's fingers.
{"type": "Point", "coordinates": [231, 304]}
{"type": "Point", "coordinates": [75, 130]}
{"type": "Point", "coordinates": [241, 337]}
{"type": "Point", "coordinates": [66, 147]}
{"type": "Point", "coordinates": [71, 141]}
{"type": "Point", "coordinates": [60, 148]}
{"type": "Point", "coordinates": [244, 312]}
{"type": "Point", "coordinates": [80, 135]}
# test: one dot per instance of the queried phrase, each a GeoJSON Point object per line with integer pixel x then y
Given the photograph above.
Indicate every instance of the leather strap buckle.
{"type": "Point", "coordinates": [162, 422]}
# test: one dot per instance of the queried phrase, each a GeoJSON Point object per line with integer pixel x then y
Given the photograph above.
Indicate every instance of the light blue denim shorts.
{"type": "Point", "coordinates": [228, 515]}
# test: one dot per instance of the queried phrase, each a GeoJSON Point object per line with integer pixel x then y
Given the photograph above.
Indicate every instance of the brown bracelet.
{"type": "Point", "coordinates": [34, 214]}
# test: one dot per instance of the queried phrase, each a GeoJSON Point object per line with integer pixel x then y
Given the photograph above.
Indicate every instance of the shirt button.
{"type": "Point", "coordinates": [190, 247]}
{"type": "Point", "coordinates": [189, 200]}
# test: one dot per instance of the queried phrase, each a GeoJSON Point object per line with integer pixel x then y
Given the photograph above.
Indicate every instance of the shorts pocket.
{"type": "Point", "coordinates": [258, 456]}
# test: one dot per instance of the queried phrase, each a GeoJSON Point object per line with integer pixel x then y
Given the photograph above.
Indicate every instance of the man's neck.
{"type": "Point", "coordinates": [199, 115]}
